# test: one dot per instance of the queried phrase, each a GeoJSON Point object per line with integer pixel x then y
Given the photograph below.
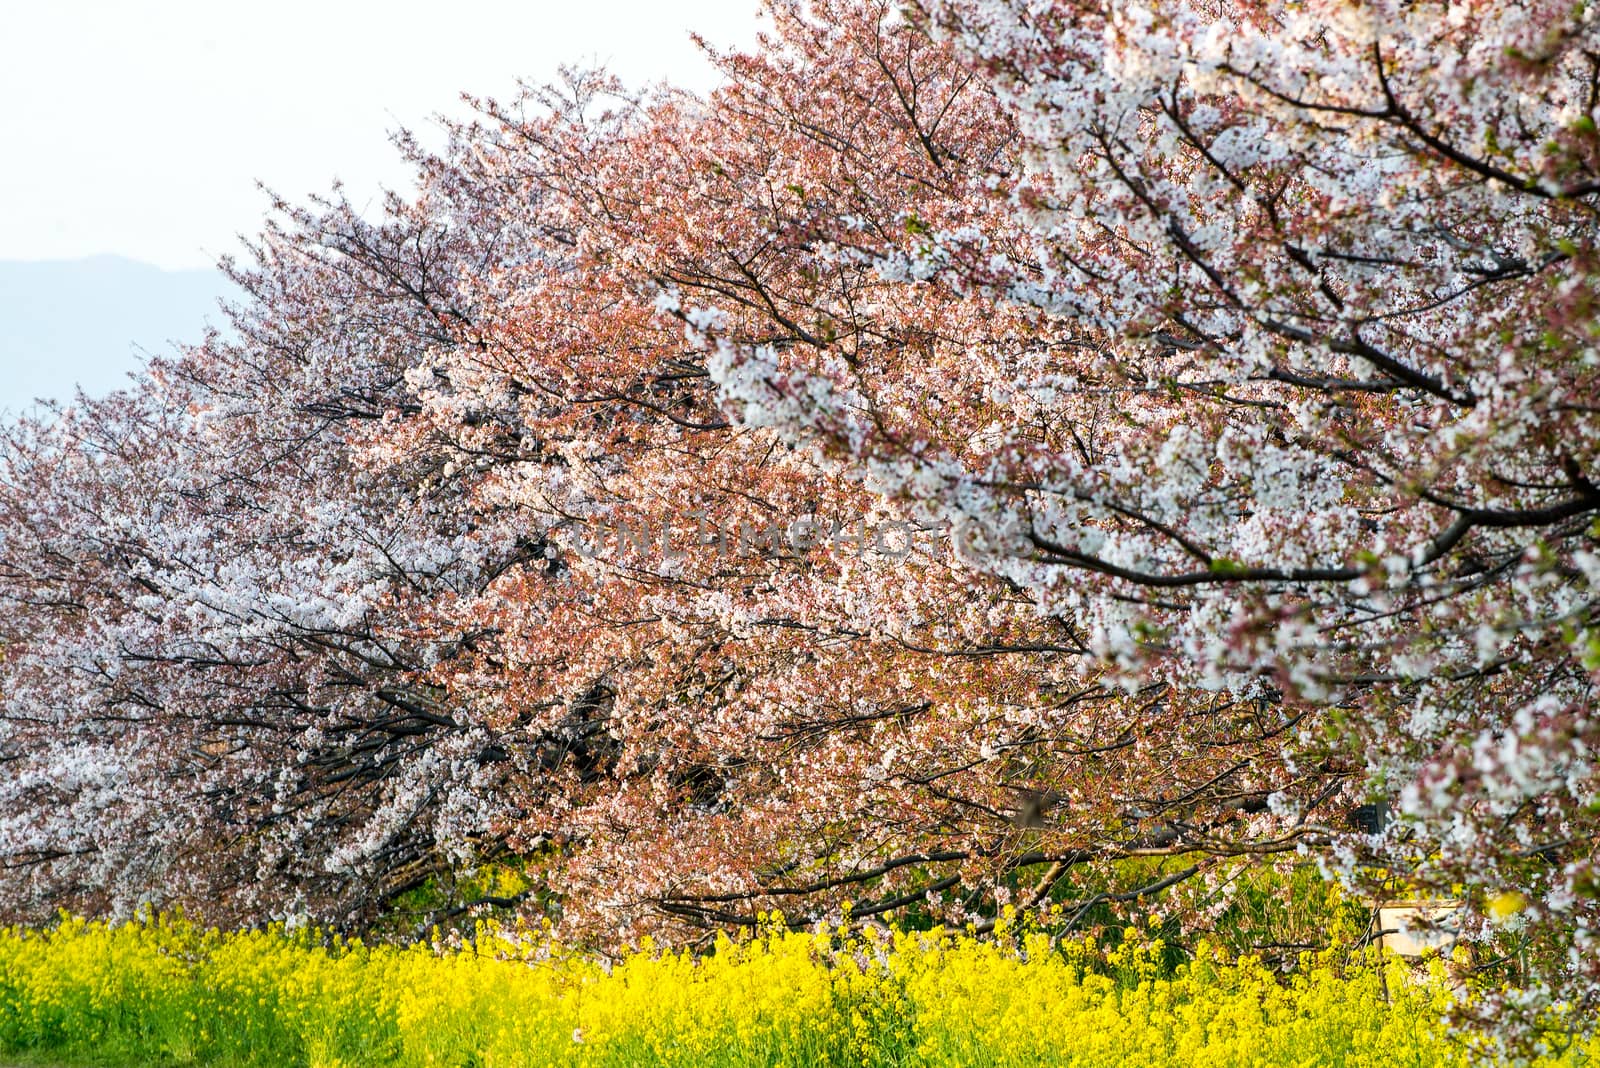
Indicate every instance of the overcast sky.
{"type": "Point", "coordinates": [140, 129]}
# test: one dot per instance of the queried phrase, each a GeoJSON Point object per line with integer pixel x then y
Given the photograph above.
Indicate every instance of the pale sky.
{"type": "Point", "coordinates": [140, 128]}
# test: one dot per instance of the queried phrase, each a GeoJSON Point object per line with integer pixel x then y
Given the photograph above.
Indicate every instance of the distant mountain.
{"type": "Point", "coordinates": [91, 321]}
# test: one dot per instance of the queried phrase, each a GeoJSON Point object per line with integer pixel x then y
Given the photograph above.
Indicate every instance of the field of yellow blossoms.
{"type": "Point", "coordinates": [163, 991]}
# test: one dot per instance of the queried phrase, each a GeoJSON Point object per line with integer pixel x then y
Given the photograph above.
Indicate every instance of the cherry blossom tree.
{"type": "Point", "coordinates": [220, 616]}
{"type": "Point", "coordinates": [1303, 411]}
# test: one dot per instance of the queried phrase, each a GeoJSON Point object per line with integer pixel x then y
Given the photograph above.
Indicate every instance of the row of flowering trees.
{"type": "Point", "coordinates": [1223, 375]}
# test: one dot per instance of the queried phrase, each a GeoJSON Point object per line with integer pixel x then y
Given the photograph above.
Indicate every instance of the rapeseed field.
{"type": "Point", "coordinates": [161, 990]}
